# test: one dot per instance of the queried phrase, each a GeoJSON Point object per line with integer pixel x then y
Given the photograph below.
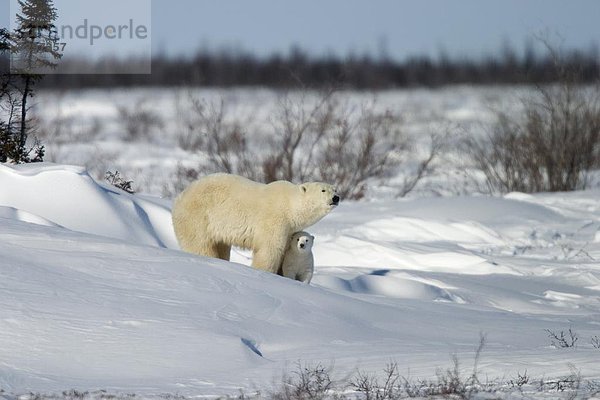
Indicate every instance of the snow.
{"type": "Point", "coordinates": [94, 293]}
{"type": "Point", "coordinates": [68, 196]}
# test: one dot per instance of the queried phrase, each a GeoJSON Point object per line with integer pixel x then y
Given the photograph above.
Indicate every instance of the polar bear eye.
{"type": "Point", "coordinates": [323, 191]}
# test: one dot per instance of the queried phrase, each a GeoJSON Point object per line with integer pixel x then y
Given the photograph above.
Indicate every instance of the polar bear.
{"type": "Point", "coordinates": [223, 210]}
{"type": "Point", "coordinates": [298, 261]}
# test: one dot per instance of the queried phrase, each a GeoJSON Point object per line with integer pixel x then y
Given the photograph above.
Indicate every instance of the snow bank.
{"type": "Point", "coordinates": [93, 294]}
{"type": "Point", "coordinates": [69, 197]}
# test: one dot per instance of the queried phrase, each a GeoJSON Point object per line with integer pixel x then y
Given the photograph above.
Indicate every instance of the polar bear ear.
{"type": "Point", "coordinates": [303, 187]}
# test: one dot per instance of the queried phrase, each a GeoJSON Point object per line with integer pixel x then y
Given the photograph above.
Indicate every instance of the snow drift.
{"type": "Point", "coordinates": [95, 295]}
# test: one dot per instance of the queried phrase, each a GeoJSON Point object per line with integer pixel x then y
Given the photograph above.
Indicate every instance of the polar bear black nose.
{"type": "Point", "coordinates": [336, 200]}
{"type": "Point", "coordinates": [301, 245]}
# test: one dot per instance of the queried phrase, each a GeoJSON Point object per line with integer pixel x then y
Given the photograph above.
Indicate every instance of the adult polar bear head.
{"type": "Point", "coordinates": [317, 199]}
{"type": "Point", "coordinates": [222, 210]}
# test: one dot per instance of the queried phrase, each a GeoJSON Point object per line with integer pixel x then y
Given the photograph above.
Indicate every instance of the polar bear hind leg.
{"type": "Point", "coordinates": [223, 251]}
{"type": "Point", "coordinates": [206, 249]}
{"type": "Point", "coordinates": [269, 258]}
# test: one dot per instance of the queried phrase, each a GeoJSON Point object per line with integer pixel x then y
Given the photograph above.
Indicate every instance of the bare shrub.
{"type": "Point", "coordinates": [182, 178]}
{"type": "Point", "coordinates": [562, 339]}
{"type": "Point", "coordinates": [449, 382]}
{"type": "Point", "coordinates": [74, 394]}
{"type": "Point", "coordinates": [227, 145]}
{"type": "Point", "coordinates": [372, 389]}
{"type": "Point", "coordinates": [424, 167]}
{"type": "Point", "coordinates": [520, 381]}
{"type": "Point", "coordinates": [357, 151]}
{"type": "Point", "coordinates": [139, 121]}
{"type": "Point", "coordinates": [305, 383]}
{"type": "Point", "coordinates": [596, 342]}
{"type": "Point", "coordinates": [570, 383]}
{"type": "Point", "coordinates": [115, 179]}
{"type": "Point", "coordinates": [300, 126]}
{"type": "Point", "coordinates": [552, 146]}
{"type": "Point", "coordinates": [313, 139]}
{"type": "Point", "coordinates": [58, 127]}
{"type": "Point", "coordinates": [189, 123]}
{"type": "Point", "coordinates": [593, 388]}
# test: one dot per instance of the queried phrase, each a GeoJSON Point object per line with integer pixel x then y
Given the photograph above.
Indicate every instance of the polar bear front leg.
{"type": "Point", "coordinates": [269, 256]}
{"type": "Point", "coordinates": [305, 276]}
{"type": "Point", "coordinates": [288, 271]}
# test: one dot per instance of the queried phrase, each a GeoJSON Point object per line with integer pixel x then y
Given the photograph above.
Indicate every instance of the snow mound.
{"type": "Point", "coordinates": [93, 294]}
{"type": "Point", "coordinates": [389, 284]}
{"type": "Point", "coordinates": [69, 197]}
{"type": "Point", "coordinates": [420, 230]}
{"type": "Point", "coordinates": [20, 215]}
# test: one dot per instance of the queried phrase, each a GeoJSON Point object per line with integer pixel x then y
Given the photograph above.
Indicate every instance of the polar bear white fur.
{"type": "Point", "coordinates": [298, 261]}
{"type": "Point", "coordinates": [222, 210]}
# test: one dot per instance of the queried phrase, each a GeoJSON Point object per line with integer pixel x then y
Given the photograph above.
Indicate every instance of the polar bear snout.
{"type": "Point", "coordinates": [302, 245]}
{"type": "Point", "coordinates": [335, 200]}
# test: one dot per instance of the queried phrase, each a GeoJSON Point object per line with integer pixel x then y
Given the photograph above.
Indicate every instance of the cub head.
{"type": "Point", "coordinates": [317, 200]}
{"type": "Point", "coordinates": [302, 242]}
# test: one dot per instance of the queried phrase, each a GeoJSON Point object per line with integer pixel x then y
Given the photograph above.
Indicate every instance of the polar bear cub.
{"type": "Point", "coordinates": [298, 262]}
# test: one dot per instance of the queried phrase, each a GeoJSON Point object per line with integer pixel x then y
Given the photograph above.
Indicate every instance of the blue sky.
{"type": "Point", "coordinates": [402, 27]}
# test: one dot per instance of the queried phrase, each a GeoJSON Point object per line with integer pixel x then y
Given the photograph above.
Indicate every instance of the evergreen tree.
{"type": "Point", "coordinates": [33, 47]}
{"type": "Point", "coordinates": [35, 39]}
{"type": "Point", "coordinates": [4, 60]}
{"type": "Point", "coordinates": [6, 143]}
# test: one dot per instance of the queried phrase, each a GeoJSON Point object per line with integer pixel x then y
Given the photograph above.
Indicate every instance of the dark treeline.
{"type": "Point", "coordinates": [226, 69]}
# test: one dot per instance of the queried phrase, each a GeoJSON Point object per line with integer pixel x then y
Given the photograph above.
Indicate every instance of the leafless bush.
{"type": "Point", "coordinates": [189, 123]}
{"type": "Point", "coordinates": [306, 383]}
{"type": "Point", "coordinates": [74, 394]}
{"type": "Point", "coordinates": [570, 384]}
{"type": "Point", "coordinates": [372, 389]}
{"type": "Point", "coordinates": [62, 130]}
{"type": "Point", "coordinates": [139, 121]}
{"type": "Point", "coordinates": [562, 339]}
{"type": "Point", "coordinates": [596, 342]}
{"type": "Point", "coordinates": [313, 139]}
{"type": "Point", "coordinates": [450, 382]}
{"type": "Point", "coordinates": [115, 179]}
{"type": "Point", "coordinates": [593, 388]}
{"type": "Point", "coordinates": [59, 128]}
{"type": "Point", "coordinates": [520, 381]}
{"type": "Point", "coordinates": [177, 184]}
{"type": "Point", "coordinates": [552, 146]}
{"type": "Point", "coordinates": [424, 167]}
{"type": "Point", "coordinates": [573, 252]}
{"type": "Point", "coordinates": [300, 127]}
{"type": "Point", "coordinates": [222, 139]}
{"type": "Point", "coordinates": [226, 142]}
{"type": "Point", "coordinates": [358, 151]}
